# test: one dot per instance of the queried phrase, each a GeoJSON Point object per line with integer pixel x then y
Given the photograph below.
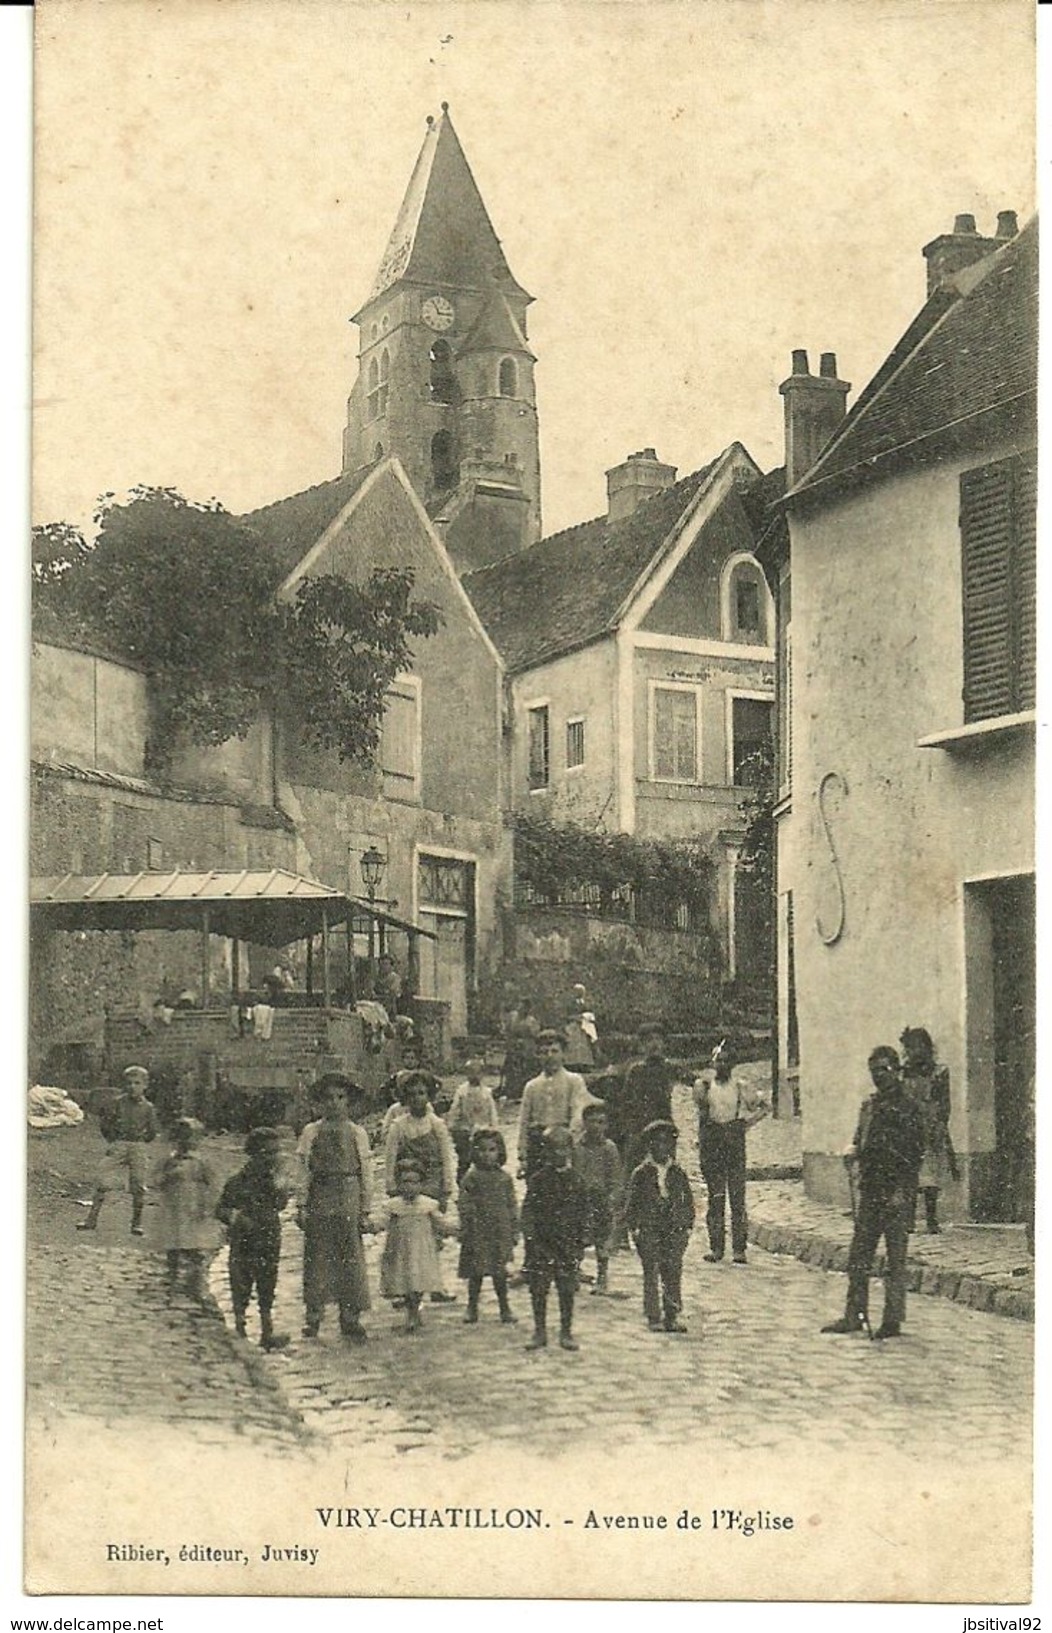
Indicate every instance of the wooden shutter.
{"type": "Point", "coordinates": [1025, 577]}
{"type": "Point", "coordinates": [998, 551]}
{"type": "Point", "coordinates": [986, 512]}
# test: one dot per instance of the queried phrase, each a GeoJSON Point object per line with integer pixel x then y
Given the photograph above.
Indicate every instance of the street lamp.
{"type": "Point", "coordinates": [373, 864]}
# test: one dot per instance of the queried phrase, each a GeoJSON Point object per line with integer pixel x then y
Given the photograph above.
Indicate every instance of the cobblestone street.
{"type": "Point", "coordinates": [752, 1372]}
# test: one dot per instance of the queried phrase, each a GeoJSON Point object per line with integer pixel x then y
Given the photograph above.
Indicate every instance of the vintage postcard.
{"type": "Point", "coordinates": [532, 975]}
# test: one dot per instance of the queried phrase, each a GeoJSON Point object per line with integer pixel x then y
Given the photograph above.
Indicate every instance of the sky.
{"type": "Point", "coordinates": [689, 188]}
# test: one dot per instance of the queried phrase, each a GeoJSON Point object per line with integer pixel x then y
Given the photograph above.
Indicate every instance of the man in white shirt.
{"type": "Point", "coordinates": [726, 1109]}
{"type": "Point", "coordinates": [554, 1099]}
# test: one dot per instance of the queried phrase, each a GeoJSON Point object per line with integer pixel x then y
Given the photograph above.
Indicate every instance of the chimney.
{"type": "Point", "coordinates": [629, 484]}
{"type": "Point", "coordinates": [815, 404]}
{"type": "Point", "coordinates": [953, 251]}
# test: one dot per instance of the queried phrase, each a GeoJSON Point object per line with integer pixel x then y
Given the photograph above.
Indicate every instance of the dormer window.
{"type": "Point", "coordinates": [744, 602]}
{"type": "Point", "coordinates": [509, 377]}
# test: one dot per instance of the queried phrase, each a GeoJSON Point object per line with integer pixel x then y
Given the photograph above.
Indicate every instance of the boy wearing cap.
{"type": "Point", "coordinates": [128, 1127]}
{"type": "Point", "coordinates": [555, 1219]}
{"type": "Point", "coordinates": [250, 1207]}
{"type": "Point", "coordinates": [659, 1212]}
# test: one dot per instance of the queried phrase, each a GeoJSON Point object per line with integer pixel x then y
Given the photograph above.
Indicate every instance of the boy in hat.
{"type": "Point", "coordinates": [128, 1127]}
{"type": "Point", "coordinates": [555, 1218]}
{"type": "Point", "coordinates": [659, 1211]}
{"type": "Point", "coordinates": [250, 1207]}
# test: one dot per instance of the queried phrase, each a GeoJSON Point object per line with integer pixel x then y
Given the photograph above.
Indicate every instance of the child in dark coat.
{"type": "Point", "coordinates": [555, 1218]}
{"type": "Point", "coordinates": [489, 1222]}
{"type": "Point", "coordinates": [250, 1207]}
{"type": "Point", "coordinates": [659, 1211]}
{"type": "Point", "coordinates": [596, 1160]}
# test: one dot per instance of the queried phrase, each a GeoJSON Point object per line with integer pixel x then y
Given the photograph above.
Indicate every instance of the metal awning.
{"type": "Point", "coordinates": [382, 916]}
{"type": "Point", "coordinates": [271, 907]}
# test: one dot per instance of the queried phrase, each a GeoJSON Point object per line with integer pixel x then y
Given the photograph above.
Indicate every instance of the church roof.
{"type": "Point", "coordinates": [569, 589]}
{"type": "Point", "coordinates": [291, 526]}
{"type": "Point", "coordinates": [443, 233]}
{"type": "Point", "coordinates": [495, 329]}
{"type": "Point", "coordinates": [972, 349]}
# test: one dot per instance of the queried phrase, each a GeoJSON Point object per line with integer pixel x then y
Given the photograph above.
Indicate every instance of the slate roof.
{"type": "Point", "coordinates": [443, 233]}
{"type": "Point", "coordinates": [495, 329]}
{"type": "Point", "coordinates": [291, 526]}
{"type": "Point", "coordinates": [567, 589]}
{"type": "Point", "coordinates": [971, 349]}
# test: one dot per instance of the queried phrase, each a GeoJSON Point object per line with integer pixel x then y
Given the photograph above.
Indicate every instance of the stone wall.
{"type": "Point", "coordinates": [632, 974]}
{"type": "Point", "coordinates": [85, 825]}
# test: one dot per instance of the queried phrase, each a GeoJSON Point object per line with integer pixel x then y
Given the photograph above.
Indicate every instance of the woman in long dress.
{"type": "Point", "coordinates": [338, 1196]}
{"type": "Point", "coordinates": [929, 1084]}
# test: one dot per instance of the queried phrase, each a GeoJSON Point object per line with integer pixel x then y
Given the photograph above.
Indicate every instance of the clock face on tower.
{"type": "Point", "coordinates": [437, 312]}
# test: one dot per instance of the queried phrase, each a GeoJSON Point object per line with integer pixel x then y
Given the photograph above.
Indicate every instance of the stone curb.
{"type": "Point", "coordinates": [985, 1293]}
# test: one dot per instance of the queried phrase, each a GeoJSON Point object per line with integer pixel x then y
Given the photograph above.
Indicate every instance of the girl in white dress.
{"type": "Point", "coordinates": [409, 1267]}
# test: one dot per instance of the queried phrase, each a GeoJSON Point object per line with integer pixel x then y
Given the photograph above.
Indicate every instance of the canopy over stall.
{"type": "Point", "coordinates": [269, 907]}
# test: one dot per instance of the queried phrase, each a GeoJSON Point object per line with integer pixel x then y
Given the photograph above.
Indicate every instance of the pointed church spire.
{"type": "Point", "coordinates": [443, 233]}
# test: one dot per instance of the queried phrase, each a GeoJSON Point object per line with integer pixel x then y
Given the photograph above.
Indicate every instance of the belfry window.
{"type": "Point", "coordinates": [444, 472]}
{"type": "Point", "coordinates": [443, 379]}
{"type": "Point", "coordinates": [509, 381]}
{"type": "Point", "coordinates": [376, 394]}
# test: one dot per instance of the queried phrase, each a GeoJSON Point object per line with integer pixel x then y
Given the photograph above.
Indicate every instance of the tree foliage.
{"type": "Point", "coordinates": [757, 810]}
{"type": "Point", "coordinates": [557, 864]}
{"type": "Point", "coordinates": [188, 592]}
{"type": "Point", "coordinates": [343, 645]}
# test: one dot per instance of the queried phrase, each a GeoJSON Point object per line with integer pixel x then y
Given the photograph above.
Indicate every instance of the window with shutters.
{"type": "Point", "coordinates": [400, 741]}
{"type": "Point", "coordinates": [675, 733]}
{"type": "Point", "coordinates": [538, 747]}
{"type": "Point", "coordinates": [998, 522]}
{"type": "Point", "coordinates": [575, 743]}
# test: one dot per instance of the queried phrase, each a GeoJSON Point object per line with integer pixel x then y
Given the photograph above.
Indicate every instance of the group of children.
{"type": "Point", "coordinates": [575, 1199]}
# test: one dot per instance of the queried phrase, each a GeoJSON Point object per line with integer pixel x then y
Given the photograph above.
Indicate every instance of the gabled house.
{"type": "Point", "coordinates": [433, 803]}
{"type": "Point", "coordinates": [906, 824]}
{"type": "Point", "coordinates": [640, 657]}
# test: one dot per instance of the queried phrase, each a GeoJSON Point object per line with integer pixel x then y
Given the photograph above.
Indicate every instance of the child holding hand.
{"type": "Point", "coordinates": [413, 1221]}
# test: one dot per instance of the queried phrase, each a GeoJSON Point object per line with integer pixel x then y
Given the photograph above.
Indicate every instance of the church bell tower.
{"type": "Point", "coordinates": [445, 372]}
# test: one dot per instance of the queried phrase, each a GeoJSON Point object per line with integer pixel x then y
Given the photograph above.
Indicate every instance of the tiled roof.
{"type": "Point", "coordinates": [253, 816]}
{"type": "Point", "coordinates": [291, 526]}
{"type": "Point", "coordinates": [971, 349]}
{"type": "Point", "coordinates": [567, 589]}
